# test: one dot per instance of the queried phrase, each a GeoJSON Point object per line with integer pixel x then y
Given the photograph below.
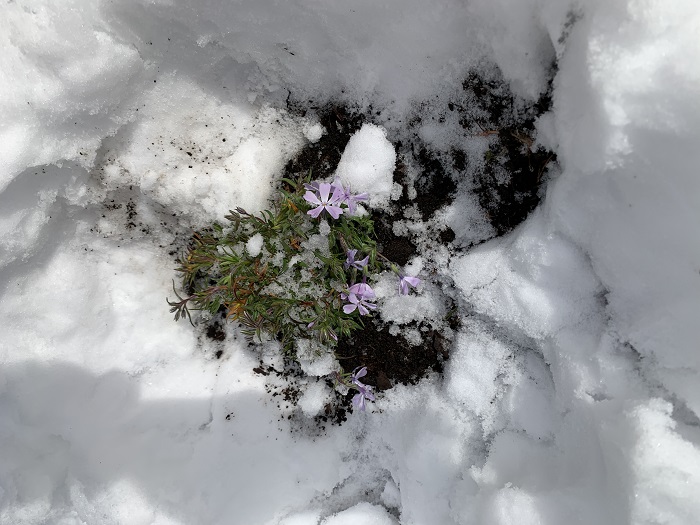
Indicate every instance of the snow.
{"type": "Point", "coordinates": [572, 390]}
{"type": "Point", "coordinates": [314, 132]}
{"type": "Point", "coordinates": [367, 164]}
{"type": "Point", "coordinates": [361, 513]}
{"type": "Point", "coordinates": [314, 399]}
{"type": "Point", "coordinates": [254, 245]}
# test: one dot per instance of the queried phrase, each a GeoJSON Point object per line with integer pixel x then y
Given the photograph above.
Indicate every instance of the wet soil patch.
{"type": "Point", "coordinates": [391, 359]}
{"type": "Point", "coordinates": [435, 187]}
{"type": "Point", "coordinates": [508, 184]}
{"type": "Point", "coordinates": [396, 248]}
{"type": "Point", "coordinates": [322, 157]}
{"type": "Point", "coordinates": [215, 332]}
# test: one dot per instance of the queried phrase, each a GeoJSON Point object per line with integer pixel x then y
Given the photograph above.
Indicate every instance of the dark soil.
{"type": "Point", "coordinates": [391, 359]}
{"type": "Point", "coordinates": [434, 185]}
{"type": "Point", "coordinates": [394, 247]}
{"type": "Point", "coordinates": [508, 186]}
{"type": "Point", "coordinates": [321, 158]}
{"type": "Point", "coordinates": [508, 204]}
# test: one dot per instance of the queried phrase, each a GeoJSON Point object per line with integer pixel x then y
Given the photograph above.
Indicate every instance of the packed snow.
{"type": "Point", "coordinates": [572, 392]}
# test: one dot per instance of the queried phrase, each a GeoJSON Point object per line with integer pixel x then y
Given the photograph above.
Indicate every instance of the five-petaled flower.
{"type": "Point", "coordinates": [348, 197]}
{"type": "Point", "coordinates": [365, 391]}
{"type": "Point", "coordinates": [351, 261]}
{"type": "Point", "coordinates": [358, 298]}
{"type": "Point", "coordinates": [405, 281]}
{"type": "Point", "coordinates": [324, 201]}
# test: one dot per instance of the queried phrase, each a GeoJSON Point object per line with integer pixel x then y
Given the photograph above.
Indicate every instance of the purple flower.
{"type": "Point", "coordinates": [365, 391]}
{"type": "Point", "coordinates": [358, 303]}
{"type": "Point", "coordinates": [324, 201]}
{"type": "Point", "coordinates": [351, 261]}
{"type": "Point", "coordinates": [348, 197]}
{"type": "Point", "coordinates": [405, 281]}
{"type": "Point", "coordinates": [358, 298]}
{"type": "Point", "coordinates": [357, 374]}
{"type": "Point", "coordinates": [363, 290]}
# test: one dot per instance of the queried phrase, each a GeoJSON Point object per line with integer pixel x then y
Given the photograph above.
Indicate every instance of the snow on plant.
{"type": "Point", "coordinates": [297, 271]}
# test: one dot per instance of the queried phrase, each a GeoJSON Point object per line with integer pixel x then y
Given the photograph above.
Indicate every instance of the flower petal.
{"type": "Point", "coordinates": [358, 401]}
{"type": "Point", "coordinates": [334, 211]}
{"type": "Point", "coordinates": [349, 308]}
{"type": "Point", "coordinates": [312, 198]}
{"type": "Point", "coordinates": [363, 290]}
{"type": "Point", "coordinates": [339, 195]}
{"type": "Point", "coordinates": [315, 212]}
{"type": "Point", "coordinates": [338, 186]}
{"type": "Point", "coordinates": [350, 259]}
{"type": "Point", "coordinates": [362, 263]}
{"type": "Point", "coordinates": [324, 190]}
{"type": "Point", "coordinates": [413, 281]}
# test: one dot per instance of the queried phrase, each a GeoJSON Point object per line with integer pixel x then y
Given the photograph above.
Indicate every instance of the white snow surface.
{"type": "Point", "coordinates": [572, 392]}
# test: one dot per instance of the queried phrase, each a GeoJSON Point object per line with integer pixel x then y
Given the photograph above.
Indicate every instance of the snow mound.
{"type": "Point", "coordinates": [364, 513]}
{"type": "Point", "coordinates": [367, 164]}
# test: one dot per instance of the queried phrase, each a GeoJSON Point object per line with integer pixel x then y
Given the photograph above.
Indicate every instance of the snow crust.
{"type": "Point", "coordinates": [572, 391]}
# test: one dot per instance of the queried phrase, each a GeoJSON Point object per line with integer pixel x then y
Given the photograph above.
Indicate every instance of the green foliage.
{"type": "Point", "coordinates": [293, 282]}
